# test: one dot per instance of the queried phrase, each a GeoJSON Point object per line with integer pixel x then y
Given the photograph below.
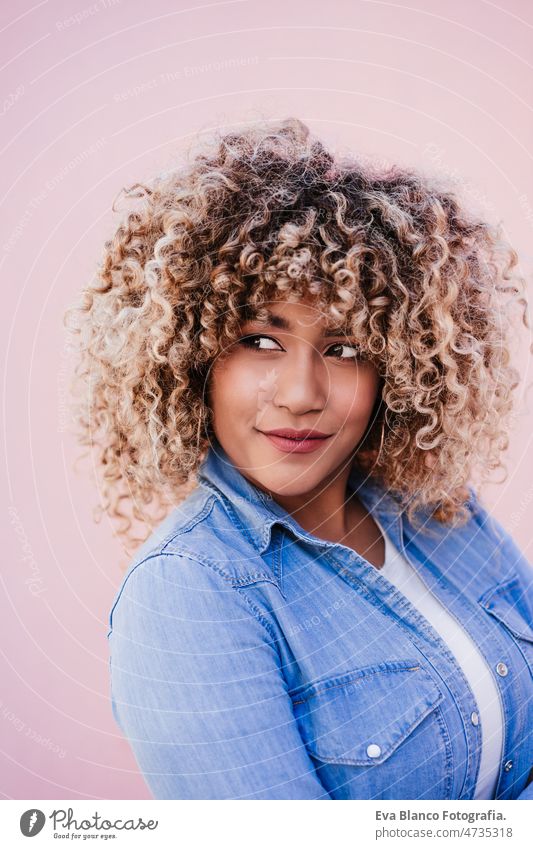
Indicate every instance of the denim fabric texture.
{"type": "Point", "coordinates": [250, 659]}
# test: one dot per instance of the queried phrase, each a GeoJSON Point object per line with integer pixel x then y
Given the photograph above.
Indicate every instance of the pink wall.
{"type": "Point", "coordinates": [95, 102]}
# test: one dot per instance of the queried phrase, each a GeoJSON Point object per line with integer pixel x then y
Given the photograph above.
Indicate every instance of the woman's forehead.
{"type": "Point", "coordinates": [289, 315]}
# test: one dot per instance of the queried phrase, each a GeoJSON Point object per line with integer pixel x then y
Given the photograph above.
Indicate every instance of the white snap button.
{"type": "Point", "coordinates": [508, 766]}
{"type": "Point", "coordinates": [501, 669]}
{"type": "Point", "coordinates": [373, 750]}
{"type": "Point", "coordinates": [474, 717]}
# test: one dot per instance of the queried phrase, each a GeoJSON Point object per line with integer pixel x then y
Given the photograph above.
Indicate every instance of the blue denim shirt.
{"type": "Point", "coordinates": [250, 659]}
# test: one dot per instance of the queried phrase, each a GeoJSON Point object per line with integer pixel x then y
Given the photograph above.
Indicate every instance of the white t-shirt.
{"type": "Point", "coordinates": [399, 572]}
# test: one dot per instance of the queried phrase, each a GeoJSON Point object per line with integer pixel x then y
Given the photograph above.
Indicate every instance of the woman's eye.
{"type": "Point", "coordinates": [249, 342]}
{"type": "Point", "coordinates": [355, 353]}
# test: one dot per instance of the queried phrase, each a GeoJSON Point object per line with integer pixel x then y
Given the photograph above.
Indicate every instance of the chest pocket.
{"type": "Point", "coordinates": [377, 733]}
{"type": "Point", "coordinates": [506, 602]}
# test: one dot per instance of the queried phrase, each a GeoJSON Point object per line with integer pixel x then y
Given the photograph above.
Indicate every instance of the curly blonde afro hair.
{"type": "Point", "coordinates": [269, 213]}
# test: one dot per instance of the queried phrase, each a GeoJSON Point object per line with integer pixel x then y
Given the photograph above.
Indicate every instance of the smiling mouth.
{"type": "Point", "coordinates": [296, 445]}
{"type": "Point", "coordinates": [291, 433]}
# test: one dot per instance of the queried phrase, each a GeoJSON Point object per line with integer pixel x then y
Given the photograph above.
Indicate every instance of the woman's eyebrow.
{"type": "Point", "coordinates": [284, 324]}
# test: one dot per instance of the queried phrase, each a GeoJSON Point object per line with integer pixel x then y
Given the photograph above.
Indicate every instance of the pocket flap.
{"type": "Point", "coordinates": [362, 716]}
{"type": "Point", "coordinates": [507, 602]}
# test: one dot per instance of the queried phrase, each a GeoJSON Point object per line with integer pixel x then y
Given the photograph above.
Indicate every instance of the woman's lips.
{"type": "Point", "coordinates": [296, 446]}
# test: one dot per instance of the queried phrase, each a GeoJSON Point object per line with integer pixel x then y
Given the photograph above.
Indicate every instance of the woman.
{"type": "Point", "coordinates": [304, 362]}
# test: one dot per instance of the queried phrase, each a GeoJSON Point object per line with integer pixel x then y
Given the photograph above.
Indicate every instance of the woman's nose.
{"type": "Point", "coordinates": [302, 383]}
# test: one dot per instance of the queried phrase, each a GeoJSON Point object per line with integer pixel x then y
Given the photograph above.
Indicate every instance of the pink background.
{"type": "Point", "coordinates": [94, 103]}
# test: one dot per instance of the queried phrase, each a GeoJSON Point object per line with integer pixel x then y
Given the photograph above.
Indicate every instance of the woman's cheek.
{"type": "Point", "coordinates": [354, 400]}
{"type": "Point", "coordinates": [243, 385]}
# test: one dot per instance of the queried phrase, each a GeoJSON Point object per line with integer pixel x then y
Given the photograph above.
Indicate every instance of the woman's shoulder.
{"type": "Point", "coordinates": [480, 553]}
{"type": "Point", "coordinates": [181, 519]}
{"type": "Point", "coordinates": [196, 550]}
{"type": "Point", "coordinates": [511, 562]}
{"type": "Point", "coordinates": [174, 598]}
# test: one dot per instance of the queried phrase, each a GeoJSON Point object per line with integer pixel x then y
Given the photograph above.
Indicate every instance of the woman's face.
{"type": "Point", "coordinates": [290, 374]}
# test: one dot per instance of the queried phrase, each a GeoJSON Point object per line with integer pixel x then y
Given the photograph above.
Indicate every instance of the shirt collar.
{"type": "Point", "coordinates": [256, 512]}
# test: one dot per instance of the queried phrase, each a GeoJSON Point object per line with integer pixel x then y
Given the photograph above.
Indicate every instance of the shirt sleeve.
{"type": "Point", "coordinates": [197, 688]}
